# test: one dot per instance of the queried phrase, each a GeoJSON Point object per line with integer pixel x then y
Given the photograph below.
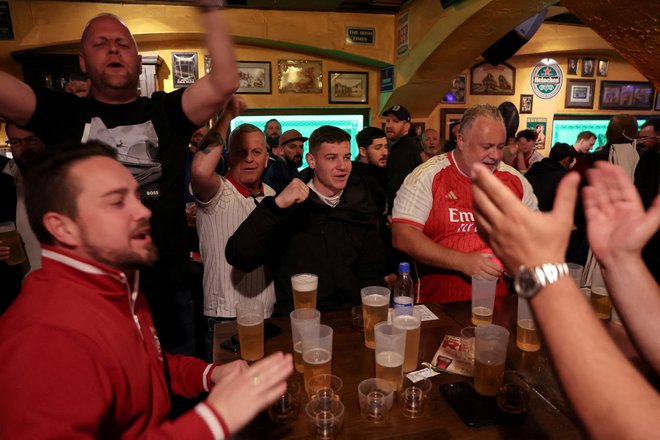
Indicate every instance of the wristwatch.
{"type": "Point", "coordinates": [530, 280]}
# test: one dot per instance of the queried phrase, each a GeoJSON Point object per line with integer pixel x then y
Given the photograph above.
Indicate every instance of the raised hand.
{"type": "Point", "coordinates": [295, 192]}
{"type": "Point", "coordinates": [617, 226]}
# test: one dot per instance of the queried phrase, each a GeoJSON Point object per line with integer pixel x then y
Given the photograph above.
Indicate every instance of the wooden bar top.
{"type": "Point", "coordinates": [548, 417]}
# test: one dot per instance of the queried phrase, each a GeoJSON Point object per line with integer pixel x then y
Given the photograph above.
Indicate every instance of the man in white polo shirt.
{"type": "Point", "coordinates": [223, 204]}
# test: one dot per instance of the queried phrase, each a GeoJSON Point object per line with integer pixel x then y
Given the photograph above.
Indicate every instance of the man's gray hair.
{"type": "Point", "coordinates": [479, 110]}
{"type": "Point", "coordinates": [240, 131]}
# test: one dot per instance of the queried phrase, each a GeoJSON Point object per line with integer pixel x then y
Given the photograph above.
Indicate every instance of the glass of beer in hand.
{"type": "Point", "coordinates": [304, 287]}
{"type": "Point", "coordinates": [375, 305]}
{"type": "Point", "coordinates": [483, 299]}
{"type": "Point", "coordinates": [250, 321]}
{"type": "Point", "coordinates": [9, 237]}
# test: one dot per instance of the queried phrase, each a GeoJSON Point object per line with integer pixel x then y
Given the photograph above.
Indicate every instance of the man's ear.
{"type": "Point", "coordinates": [363, 152]}
{"type": "Point", "coordinates": [81, 63]}
{"type": "Point", "coordinates": [62, 228]}
{"type": "Point", "coordinates": [311, 161]}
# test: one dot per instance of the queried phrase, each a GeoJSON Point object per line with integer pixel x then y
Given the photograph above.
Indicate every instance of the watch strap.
{"type": "Point", "coordinates": [550, 272]}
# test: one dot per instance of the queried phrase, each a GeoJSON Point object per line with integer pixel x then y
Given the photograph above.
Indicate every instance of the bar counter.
{"type": "Point", "coordinates": [548, 416]}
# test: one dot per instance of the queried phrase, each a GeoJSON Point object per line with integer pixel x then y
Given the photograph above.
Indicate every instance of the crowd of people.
{"type": "Point", "coordinates": [98, 186]}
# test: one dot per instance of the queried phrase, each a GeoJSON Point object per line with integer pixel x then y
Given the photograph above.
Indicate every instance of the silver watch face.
{"type": "Point", "coordinates": [526, 283]}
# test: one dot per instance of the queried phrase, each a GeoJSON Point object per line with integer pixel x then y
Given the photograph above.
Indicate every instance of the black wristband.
{"type": "Point", "coordinates": [212, 6]}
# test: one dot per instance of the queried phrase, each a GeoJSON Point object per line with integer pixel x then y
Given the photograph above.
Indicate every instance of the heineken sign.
{"type": "Point", "coordinates": [547, 78]}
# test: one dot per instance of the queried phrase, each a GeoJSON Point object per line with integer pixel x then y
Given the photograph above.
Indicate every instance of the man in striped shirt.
{"type": "Point", "coordinates": [223, 204]}
{"type": "Point", "coordinates": [433, 220]}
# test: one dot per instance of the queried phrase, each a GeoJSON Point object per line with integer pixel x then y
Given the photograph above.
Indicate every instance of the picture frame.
{"type": "Point", "coordinates": [580, 93]}
{"type": "Point", "coordinates": [602, 67]}
{"type": "Point", "coordinates": [587, 67]}
{"type": "Point", "coordinates": [300, 76]}
{"type": "Point", "coordinates": [625, 95]}
{"type": "Point", "coordinates": [657, 101]}
{"type": "Point", "coordinates": [526, 102]}
{"type": "Point", "coordinates": [254, 77]}
{"type": "Point", "coordinates": [456, 95]}
{"type": "Point", "coordinates": [184, 69]}
{"type": "Point", "coordinates": [486, 79]}
{"type": "Point", "coordinates": [447, 117]}
{"type": "Point", "coordinates": [348, 87]}
{"type": "Point", "coordinates": [572, 68]}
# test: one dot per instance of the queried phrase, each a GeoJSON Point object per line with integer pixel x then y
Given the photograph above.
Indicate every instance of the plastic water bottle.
{"type": "Point", "coordinates": [404, 298]}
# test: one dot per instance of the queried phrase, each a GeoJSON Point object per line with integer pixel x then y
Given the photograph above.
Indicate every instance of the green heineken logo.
{"type": "Point", "coordinates": [547, 78]}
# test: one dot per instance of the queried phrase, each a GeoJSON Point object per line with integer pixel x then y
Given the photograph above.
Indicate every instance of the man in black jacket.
{"type": "Point", "coordinates": [404, 151]}
{"type": "Point", "coordinates": [544, 176]}
{"type": "Point", "coordinates": [323, 223]}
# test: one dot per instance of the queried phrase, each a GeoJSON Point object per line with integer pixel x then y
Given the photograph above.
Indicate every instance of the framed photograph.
{"type": "Point", "coordinates": [526, 103]}
{"type": "Point", "coordinates": [447, 117]}
{"type": "Point", "coordinates": [456, 95]}
{"type": "Point", "coordinates": [602, 67]}
{"type": "Point", "coordinates": [625, 95]}
{"type": "Point", "coordinates": [588, 66]}
{"type": "Point", "coordinates": [184, 68]}
{"type": "Point", "coordinates": [254, 77]}
{"type": "Point", "coordinates": [538, 125]}
{"type": "Point", "coordinates": [580, 93]}
{"type": "Point", "coordinates": [348, 87]}
{"type": "Point", "coordinates": [486, 79]}
{"type": "Point", "coordinates": [572, 66]}
{"type": "Point", "coordinates": [300, 76]}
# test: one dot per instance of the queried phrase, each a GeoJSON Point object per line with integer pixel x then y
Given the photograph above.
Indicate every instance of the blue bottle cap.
{"type": "Point", "coordinates": [404, 267]}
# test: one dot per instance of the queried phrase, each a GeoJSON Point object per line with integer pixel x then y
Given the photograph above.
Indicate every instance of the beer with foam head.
{"type": "Point", "coordinates": [251, 336]}
{"type": "Point", "coordinates": [482, 315]}
{"type": "Point", "coordinates": [412, 325]}
{"type": "Point", "coordinates": [304, 288]}
{"type": "Point", "coordinates": [316, 361]}
{"type": "Point", "coordinates": [374, 308]}
{"type": "Point", "coordinates": [389, 367]}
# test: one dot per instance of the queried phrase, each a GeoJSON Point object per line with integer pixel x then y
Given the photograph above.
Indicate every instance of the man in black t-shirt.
{"type": "Point", "coordinates": [150, 136]}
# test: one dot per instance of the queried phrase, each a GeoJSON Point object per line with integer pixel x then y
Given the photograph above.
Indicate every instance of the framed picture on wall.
{"type": "Point", "coordinates": [588, 66]}
{"type": "Point", "coordinates": [456, 95]}
{"type": "Point", "coordinates": [184, 67]}
{"type": "Point", "coordinates": [486, 79]}
{"type": "Point", "coordinates": [526, 103]}
{"type": "Point", "coordinates": [449, 116]}
{"type": "Point", "coordinates": [602, 67]}
{"type": "Point", "coordinates": [348, 87]}
{"type": "Point", "coordinates": [625, 95]}
{"type": "Point", "coordinates": [572, 66]}
{"type": "Point", "coordinates": [254, 77]}
{"type": "Point", "coordinates": [580, 93]}
{"type": "Point", "coordinates": [300, 76]}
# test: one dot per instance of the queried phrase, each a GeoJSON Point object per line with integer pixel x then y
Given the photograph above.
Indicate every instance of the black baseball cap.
{"type": "Point", "coordinates": [401, 113]}
{"type": "Point", "coordinates": [367, 135]}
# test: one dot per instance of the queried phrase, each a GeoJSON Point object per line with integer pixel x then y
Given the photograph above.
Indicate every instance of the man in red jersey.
{"type": "Point", "coordinates": [80, 355]}
{"type": "Point", "coordinates": [433, 220]}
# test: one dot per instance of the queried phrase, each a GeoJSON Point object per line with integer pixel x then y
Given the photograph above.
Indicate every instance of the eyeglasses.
{"type": "Point", "coordinates": [27, 140]}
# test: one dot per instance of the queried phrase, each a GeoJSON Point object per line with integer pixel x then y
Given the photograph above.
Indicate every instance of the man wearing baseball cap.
{"type": "Point", "coordinates": [285, 168]}
{"type": "Point", "coordinates": [404, 152]}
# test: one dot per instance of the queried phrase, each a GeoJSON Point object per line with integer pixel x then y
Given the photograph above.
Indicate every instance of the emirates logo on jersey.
{"type": "Point", "coordinates": [451, 196]}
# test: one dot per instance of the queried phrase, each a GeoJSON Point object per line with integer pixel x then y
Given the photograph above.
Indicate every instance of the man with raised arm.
{"type": "Point", "coordinates": [224, 203]}
{"type": "Point", "coordinates": [80, 355]}
{"type": "Point", "coordinates": [433, 220]}
{"type": "Point", "coordinates": [150, 136]}
{"type": "Point", "coordinates": [610, 397]}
